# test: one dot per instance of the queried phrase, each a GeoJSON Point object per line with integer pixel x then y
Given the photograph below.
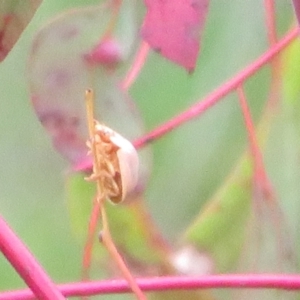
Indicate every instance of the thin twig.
{"type": "Point", "coordinates": [270, 13]}
{"type": "Point", "coordinates": [264, 191]}
{"type": "Point", "coordinates": [111, 248]}
{"type": "Point", "coordinates": [137, 66]}
{"type": "Point", "coordinates": [259, 168]}
{"type": "Point", "coordinates": [88, 247]}
{"type": "Point", "coordinates": [274, 91]}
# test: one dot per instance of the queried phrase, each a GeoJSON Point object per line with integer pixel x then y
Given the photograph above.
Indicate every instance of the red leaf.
{"type": "Point", "coordinates": [173, 28]}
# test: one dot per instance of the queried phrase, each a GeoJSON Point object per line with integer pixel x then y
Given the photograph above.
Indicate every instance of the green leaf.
{"type": "Point", "coordinates": [291, 73]}
{"type": "Point", "coordinates": [131, 226]}
{"type": "Point", "coordinates": [219, 229]}
{"type": "Point", "coordinates": [191, 162]}
{"type": "Point", "coordinates": [133, 231]}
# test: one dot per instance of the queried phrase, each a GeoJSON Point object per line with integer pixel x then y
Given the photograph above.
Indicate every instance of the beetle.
{"type": "Point", "coordinates": [116, 162]}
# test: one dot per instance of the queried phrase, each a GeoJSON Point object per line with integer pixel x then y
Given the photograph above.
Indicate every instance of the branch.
{"type": "Point", "coordinates": [241, 281]}
{"type": "Point", "coordinates": [202, 105]}
{"type": "Point", "coordinates": [136, 67]}
{"type": "Point", "coordinates": [26, 266]}
{"type": "Point", "coordinates": [270, 14]}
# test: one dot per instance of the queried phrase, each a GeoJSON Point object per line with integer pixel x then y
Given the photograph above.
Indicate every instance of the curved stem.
{"type": "Point", "coordinates": [137, 66]}
{"type": "Point", "coordinates": [204, 104]}
{"type": "Point", "coordinates": [25, 264]}
{"type": "Point", "coordinates": [111, 248]}
{"type": "Point", "coordinates": [88, 248]}
{"type": "Point", "coordinates": [240, 281]}
{"type": "Point", "coordinates": [270, 13]}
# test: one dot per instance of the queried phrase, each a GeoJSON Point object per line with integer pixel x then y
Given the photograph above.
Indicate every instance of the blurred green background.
{"type": "Point", "coordinates": [189, 164]}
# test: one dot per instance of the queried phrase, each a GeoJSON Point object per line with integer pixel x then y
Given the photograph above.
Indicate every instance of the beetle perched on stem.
{"type": "Point", "coordinates": [115, 171]}
{"type": "Point", "coordinates": [117, 163]}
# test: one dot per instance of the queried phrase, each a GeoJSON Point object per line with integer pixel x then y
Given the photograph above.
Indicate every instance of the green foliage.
{"type": "Point", "coordinates": [127, 222]}
{"type": "Point", "coordinates": [189, 186]}
{"type": "Point", "coordinates": [221, 225]}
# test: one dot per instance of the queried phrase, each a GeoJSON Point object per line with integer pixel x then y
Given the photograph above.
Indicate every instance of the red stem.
{"type": "Point", "coordinates": [88, 247]}
{"type": "Point", "coordinates": [26, 265]}
{"type": "Point", "coordinates": [137, 66]}
{"type": "Point", "coordinates": [202, 105]}
{"type": "Point", "coordinates": [260, 172]}
{"type": "Point", "coordinates": [43, 288]}
{"type": "Point", "coordinates": [271, 21]}
{"type": "Point", "coordinates": [241, 281]}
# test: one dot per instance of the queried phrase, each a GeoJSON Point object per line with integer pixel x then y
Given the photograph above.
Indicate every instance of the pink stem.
{"type": "Point", "coordinates": [240, 281]}
{"type": "Point", "coordinates": [26, 266]}
{"type": "Point", "coordinates": [259, 167]}
{"type": "Point", "coordinates": [137, 66]}
{"type": "Point", "coordinates": [271, 21]}
{"type": "Point", "coordinates": [88, 247]}
{"type": "Point", "coordinates": [202, 105]}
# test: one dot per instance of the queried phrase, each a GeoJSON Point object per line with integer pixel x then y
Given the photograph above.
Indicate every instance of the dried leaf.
{"type": "Point", "coordinates": [220, 227]}
{"type": "Point", "coordinates": [173, 29]}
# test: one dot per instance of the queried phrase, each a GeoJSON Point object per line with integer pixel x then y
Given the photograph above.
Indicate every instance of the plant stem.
{"type": "Point", "coordinates": [270, 12]}
{"type": "Point", "coordinates": [111, 248]}
{"type": "Point", "coordinates": [265, 201]}
{"type": "Point", "coordinates": [259, 168]}
{"type": "Point", "coordinates": [26, 265]}
{"type": "Point", "coordinates": [88, 247]}
{"type": "Point", "coordinates": [202, 105]}
{"type": "Point", "coordinates": [241, 281]}
{"type": "Point", "coordinates": [136, 67]}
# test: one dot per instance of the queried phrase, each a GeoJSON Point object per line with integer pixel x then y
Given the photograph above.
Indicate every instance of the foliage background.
{"type": "Point", "coordinates": [189, 164]}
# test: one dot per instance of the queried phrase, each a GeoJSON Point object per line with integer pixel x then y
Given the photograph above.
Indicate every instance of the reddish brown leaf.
{"type": "Point", "coordinates": [14, 17]}
{"type": "Point", "coordinates": [173, 28]}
